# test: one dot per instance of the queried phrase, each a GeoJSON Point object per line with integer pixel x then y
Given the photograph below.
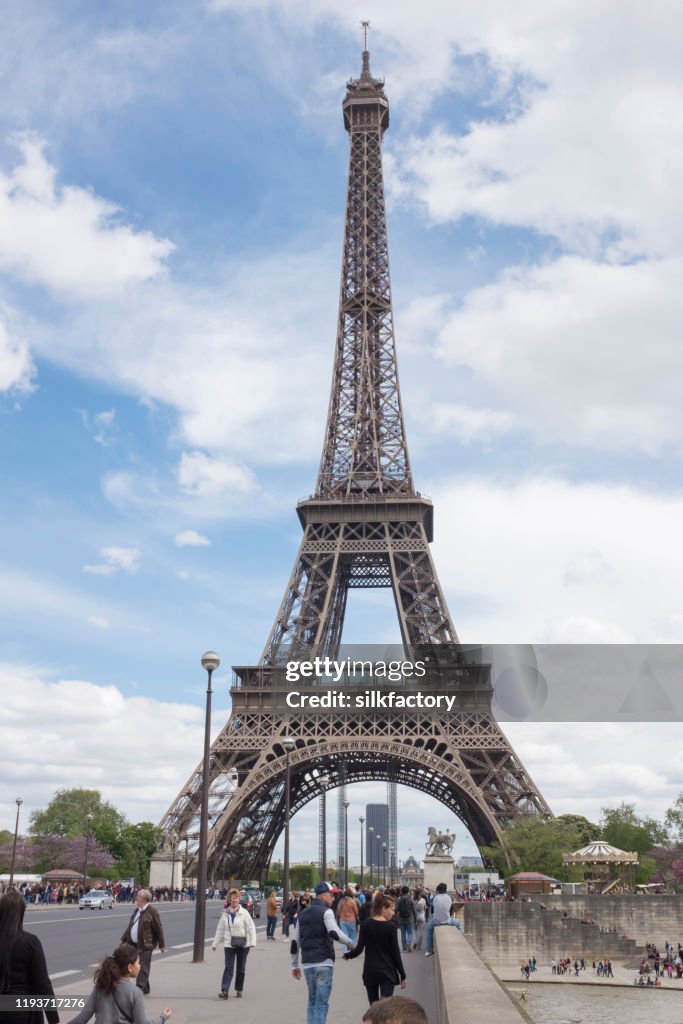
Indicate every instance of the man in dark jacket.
{"type": "Point", "coordinates": [144, 931]}
{"type": "Point", "coordinates": [315, 933]}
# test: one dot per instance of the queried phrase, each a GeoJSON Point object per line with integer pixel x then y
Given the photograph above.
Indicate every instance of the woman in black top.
{"type": "Point", "coordinates": [23, 971]}
{"type": "Point", "coordinates": [382, 967]}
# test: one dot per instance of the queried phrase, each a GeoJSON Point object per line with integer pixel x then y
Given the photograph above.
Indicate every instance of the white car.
{"type": "Point", "coordinates": [96, 899]}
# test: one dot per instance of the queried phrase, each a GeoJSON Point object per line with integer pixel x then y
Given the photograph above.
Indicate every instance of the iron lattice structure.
{"type": "Point", "coordinates": [365, 526]}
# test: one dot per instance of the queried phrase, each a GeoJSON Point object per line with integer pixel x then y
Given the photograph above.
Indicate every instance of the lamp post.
{"type": "Point", "coordinates": [361, 820]}
{"type": "Point", "coordinates": [371, 849]}
{"type": "Point", "coordinates": [323, 782]}
{"type": "Point", "coordinates": [392, 862]}
{"type": "Point", "coordinates": [379, 858]}
{"type": "Point", "coordinates": [384, 864]}
{"type": "Point", "coordinates": [288, 745]}
{"type": "Point", "coordinates": [173, 836]}
{"type": "Point", "coordinates": [210, 662]}
{"type": "Point", "coordinates": [88, 819]}
{"type": "Point", "coordinates": [19, 801]}
{"type": "Point", "coordinates": [346, 844]}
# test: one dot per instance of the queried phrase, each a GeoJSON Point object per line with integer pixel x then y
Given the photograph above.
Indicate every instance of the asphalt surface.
{"type": "Point", "coordinates": [75, 940]}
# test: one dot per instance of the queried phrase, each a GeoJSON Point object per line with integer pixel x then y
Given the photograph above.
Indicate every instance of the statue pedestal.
{"type": "Point", "coordinates": [439, 867]}
{"type": "Point", "coordinates": [164, 869]}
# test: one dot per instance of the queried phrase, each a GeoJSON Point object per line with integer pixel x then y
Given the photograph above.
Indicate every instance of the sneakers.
{"type": "Point", "coordinates": [429, 954]}
{"type": "Point", "coordinates": [222, 995]}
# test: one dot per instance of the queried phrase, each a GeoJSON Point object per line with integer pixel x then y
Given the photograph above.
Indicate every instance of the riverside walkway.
{"type": "Point", "coordinates": [270, 992]}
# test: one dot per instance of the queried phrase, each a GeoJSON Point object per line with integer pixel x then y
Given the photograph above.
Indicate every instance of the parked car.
{"type": "Point", "coordinates": [96, 899]}
{"type": "Point", "coordinates": [249, 903]}
{"type": "Point", "coordinates": [279, 897]}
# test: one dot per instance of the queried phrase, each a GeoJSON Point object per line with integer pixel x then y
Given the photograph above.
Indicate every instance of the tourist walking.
{"type": "Point", "coordinates": [23, 971]}
{"type": "Point", "coordinates": [315, 933]}
{"type": "Point", "coordinates": [145, 932]}
{"type": "Point", "coordinates": [237, 932]}
{"type": "Point", "coordinates": [441, 914]}
{"type": "Point", "coordinates": [420, 917]}
{"type": "Point", "coordinates": [271, 915]}
{"type": "Point", "coordinates": [116, 996]}
{"type": "Point", "coordinates": [378, 939]}
{"type": "Point", "coordinates": [405, 912]}
{"type": "Point", "coordinates": [347, 914]}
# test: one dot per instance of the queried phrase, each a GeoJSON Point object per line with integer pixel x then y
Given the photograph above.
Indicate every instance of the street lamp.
{"type": "Point", "coordinates": [391, 865]}
{"type": "Point", "coordinates": [88, 818]}
{"type": "Point", "coordinates": [361, 820]}
{"type": "Point", "coordinates": [173, 836]}
{"type": "Point", "coordinates": [19, 801]}
{"type": "Point", "coordinates": [323, 782]}
{"type": "Point", "coordinates": [384, 863]}
{"type": "Point", "coordinates": [346, 844]}
{"type": "Point", "coordinates": [379, 859]}
{"type": "Point", "coordinates": [210, 662]}
{"type": "Point", "coordinates": [288, 745]}
{"type": "Point", "coordinates": [371, 849]}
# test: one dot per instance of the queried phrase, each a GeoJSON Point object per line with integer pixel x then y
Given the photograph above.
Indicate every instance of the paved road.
{"type": "Point", "coordinates": [74, 940]}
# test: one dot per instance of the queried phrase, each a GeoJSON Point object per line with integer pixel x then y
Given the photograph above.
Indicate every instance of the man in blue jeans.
{"type": "Point", "coordinates": [315, 933]}
{"type": "Point", "coordinates": [441, 914]}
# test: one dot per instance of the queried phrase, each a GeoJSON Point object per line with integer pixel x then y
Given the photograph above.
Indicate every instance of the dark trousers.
{"type": "Point", "coordinates": [142, 980]}
{"type": "Point", "coordinates": [380, 990]}
{"type": "Point", "coordinates": [270, 930]}
{"type": "Point", "coordinates": [232, 955]}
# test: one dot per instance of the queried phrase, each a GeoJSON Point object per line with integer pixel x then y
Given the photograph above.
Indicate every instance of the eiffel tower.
{"type": "Point", "coordinates": [364, 526]}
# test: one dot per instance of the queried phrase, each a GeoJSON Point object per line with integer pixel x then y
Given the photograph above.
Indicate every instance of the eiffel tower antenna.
{"type": "Point", "coordinates": [364, 526]}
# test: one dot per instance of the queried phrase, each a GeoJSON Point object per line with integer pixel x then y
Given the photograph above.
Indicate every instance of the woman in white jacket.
{"type": "Point", "coordinates": [237, 932]}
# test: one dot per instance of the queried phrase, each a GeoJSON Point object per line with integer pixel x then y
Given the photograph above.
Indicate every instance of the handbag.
{"type": "Point", "coordinates": [238, 941]}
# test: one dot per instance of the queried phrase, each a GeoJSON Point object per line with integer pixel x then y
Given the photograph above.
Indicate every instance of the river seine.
{"type": "Point", "coordinates": [589, 1004]}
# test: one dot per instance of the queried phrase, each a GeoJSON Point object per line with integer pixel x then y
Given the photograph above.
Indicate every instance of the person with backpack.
{"type": "Point", "coordinates": [347, 915]}
{"type": "Point", "coordinates": [406, 917]}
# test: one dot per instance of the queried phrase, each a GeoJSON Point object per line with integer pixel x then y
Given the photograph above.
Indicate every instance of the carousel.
{"type": "Point", "coordinates": [606, 869]}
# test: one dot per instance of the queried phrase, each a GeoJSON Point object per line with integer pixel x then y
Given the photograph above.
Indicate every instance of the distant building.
{"type": "Point", "coordinates": [470, 862]}
{"type": "Point", "coordinates": [377, 818]}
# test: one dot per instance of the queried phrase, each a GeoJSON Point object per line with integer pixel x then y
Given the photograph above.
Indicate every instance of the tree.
{"type": "Point", "coordinates": [674, 821]}
{"type": "Point", "coordinates": [537, 843]}
{"type": "Point", "coordinates": [622, 827]}
{"type": "Point", "coordinates": [134, 848]}
{"type": "Point", "coordinates": [67, 815]}
{"type": "Point", "coordinates": [48, 853]}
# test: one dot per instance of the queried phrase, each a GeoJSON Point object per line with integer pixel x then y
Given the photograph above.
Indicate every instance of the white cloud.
{"type": "Point", "coordinates": [68, 238]}
{"type": "Point", "coordinates": [191, 539]}
{"type": "Point", "coordinates": [116, 559]}
{"type": "Point", "coordinates": [16, 366]}
{"type": "Point", "coordinates": [468, 423]}
{"type": "Point", "coordinates": [62, 712]}
{"type": "Point", "coordinates": [99, 621]}
{"type": "Point", "coordinates": [503, 551]}
{"type": "Point", "coordinates": [541, 336]}
{"type": "Point", "coordinates": [208, 476]}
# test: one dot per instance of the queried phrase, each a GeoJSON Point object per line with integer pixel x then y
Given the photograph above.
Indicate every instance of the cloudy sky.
{"type": "Point", "coordinates": [171, 213]}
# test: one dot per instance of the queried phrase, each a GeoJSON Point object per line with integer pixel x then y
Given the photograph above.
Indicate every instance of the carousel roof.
{"type": "Point", "coordinates": [600, 853]}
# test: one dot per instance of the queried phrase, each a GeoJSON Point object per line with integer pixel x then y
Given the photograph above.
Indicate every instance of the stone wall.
{"type": "Point", "coordinates": [466, 990]}
{"type": "Point", "coordinates": [505, 933]}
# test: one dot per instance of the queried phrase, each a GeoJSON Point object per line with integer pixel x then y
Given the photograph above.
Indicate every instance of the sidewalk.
{"type": "Point", "coordinates": [270, 992]}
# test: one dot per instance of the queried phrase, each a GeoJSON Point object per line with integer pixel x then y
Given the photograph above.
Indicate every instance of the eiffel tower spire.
{"type": "Point", "coordinates": [365, 451]}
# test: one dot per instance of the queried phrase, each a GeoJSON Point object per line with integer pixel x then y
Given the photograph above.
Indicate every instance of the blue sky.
{"type": "Point", "coordinates": [171, 214]}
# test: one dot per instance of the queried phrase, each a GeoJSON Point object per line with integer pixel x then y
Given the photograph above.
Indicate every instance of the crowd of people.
{"type": "Point", "coordinates": [366, 923]}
